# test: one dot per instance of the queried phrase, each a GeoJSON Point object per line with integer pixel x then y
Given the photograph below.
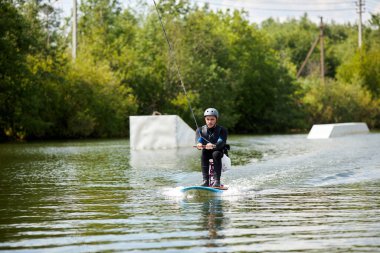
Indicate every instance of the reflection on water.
{"type": "Point", "coordinates": [158, 168]}
{"type": "Point", "coordinates": [165, 159]}
{"type": "Point", "coordinates": [99, 196]}
{"type": "Point", "coordinates": [212, 216]}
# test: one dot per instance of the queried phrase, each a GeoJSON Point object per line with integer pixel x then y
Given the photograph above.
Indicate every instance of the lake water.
{"type": "Point", "coordinates": [287, 193]}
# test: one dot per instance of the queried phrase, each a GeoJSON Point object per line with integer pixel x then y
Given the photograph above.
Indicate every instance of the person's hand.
{"type": "Point", "coordinates": [210, 146]}
{"type": "Point", "coordinates": [199, 146]}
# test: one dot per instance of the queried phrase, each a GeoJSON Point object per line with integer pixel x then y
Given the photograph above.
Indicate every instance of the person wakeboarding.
{"type": "Point", "coordinates": [211, 139]}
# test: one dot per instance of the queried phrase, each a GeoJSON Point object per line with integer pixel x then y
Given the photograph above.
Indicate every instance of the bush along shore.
{"type": "Point", "coordinates": [123, 67]}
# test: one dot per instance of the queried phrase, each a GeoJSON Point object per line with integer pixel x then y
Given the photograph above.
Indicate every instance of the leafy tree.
{"type": "Point", "coordinates": [363, 68]}
{"type": "Point", "coordinates": [370, 71]}
{"type": "Point", "coordinates": [16, 39]}
{"type": "Point", "coordinates": [338, 102]}
{"type": "Point", "coordinates": [340, 46]}
{"type": "Point", "coordinates": [96, 105]}
{"type": "Point", "coordinates": [292, 38]}
{"type": "Point", "coordinates": [208, 71]}
{"type": "Point", "coordinates": [266, 92]}
{"type": "Point", "coordinates": [124, 67]}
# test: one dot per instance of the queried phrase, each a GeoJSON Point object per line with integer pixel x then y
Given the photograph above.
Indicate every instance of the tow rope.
{"type": "Point", "coordinates": [172, 54]}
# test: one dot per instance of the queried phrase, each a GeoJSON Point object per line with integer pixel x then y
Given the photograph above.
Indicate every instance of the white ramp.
{"type": "Point", "coordinates": [159, 132]}
{"type": "Point", "coordinates": [325, 131]}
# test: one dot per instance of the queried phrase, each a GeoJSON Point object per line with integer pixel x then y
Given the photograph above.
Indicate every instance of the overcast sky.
{"type": "Point", "coordinates": [341, 11]}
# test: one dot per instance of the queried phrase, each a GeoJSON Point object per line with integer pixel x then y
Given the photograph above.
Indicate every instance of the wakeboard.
{"type": "Point", "coordinates": [203, 191]}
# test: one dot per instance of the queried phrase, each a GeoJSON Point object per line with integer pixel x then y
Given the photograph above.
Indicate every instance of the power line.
{"type": "Point", "coordinates": [260, 8]}
{"type": "Point", "coordinates": [372, 6]}
{"type": "Point", "coordinates": [300, 2]}
{"type": "Point", "coordinates": [373, 2]}
{"type": "Point", "coordinates": [270, 3]}
{"type": "Point", "coordinates": [287, 2]}
{"type": "Point", "coordinates": [74, 31]}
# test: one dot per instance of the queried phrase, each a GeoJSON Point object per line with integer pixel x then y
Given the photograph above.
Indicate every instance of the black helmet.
{"type": "Point", "coordinates": [211, 112]}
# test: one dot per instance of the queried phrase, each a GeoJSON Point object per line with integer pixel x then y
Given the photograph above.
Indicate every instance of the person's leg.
{"type": "Point", "coordinates": [217, 157]}
{"type": "Point", "coordinates": [205, 166]}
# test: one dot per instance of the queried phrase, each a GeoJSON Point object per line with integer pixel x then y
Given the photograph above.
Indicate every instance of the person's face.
{"type": "Point", "coordinates": [210, 121]}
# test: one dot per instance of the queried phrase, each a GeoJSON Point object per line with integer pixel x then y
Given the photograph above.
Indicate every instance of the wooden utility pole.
{"type": "Point", "coordinates": [360, 6]}
{"type": "Point", "coordinates": [307, 56]}
{"type": "Point", "coordinates": [322, 51]}
{"type": "Point", "coordinates": [47, 9]}
{"type": "Point", "coordinates": [320, 39]}
{"type": "Point", "coordinates": [74, 34]}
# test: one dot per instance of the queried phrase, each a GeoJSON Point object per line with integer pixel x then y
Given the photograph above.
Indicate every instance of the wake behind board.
{"type": "Point", "coordinates": [202, 191]}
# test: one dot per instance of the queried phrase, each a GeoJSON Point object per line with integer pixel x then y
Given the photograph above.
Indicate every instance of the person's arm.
{"type": "Point", "coordinates": [198, 138]}
{"type": "Point", "coordinates": [222, 139]}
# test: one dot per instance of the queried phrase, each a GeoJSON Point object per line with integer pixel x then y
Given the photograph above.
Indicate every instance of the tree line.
{"type": "Point", "coordinates": [123, 67]}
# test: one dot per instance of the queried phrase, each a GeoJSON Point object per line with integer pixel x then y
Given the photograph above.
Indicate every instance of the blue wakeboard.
{"type": "Point", "coordinates": [203, 191]}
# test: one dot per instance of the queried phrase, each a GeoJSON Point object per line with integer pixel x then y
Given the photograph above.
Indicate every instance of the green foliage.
{"type": "Point", "coordinates": [363, 68]}
{"type": "Point", "coordinates": [124, 67]}
{"type": "Point", "coordinates": [265, 90]}
{"type": "Point", "coordinates": [292, 38]}
{"type": "Point", "coordinates": [15, 42]}
{"type": "Point", "coordinates": [337, 102]}
{"type": "Point", "coordinates": [208, 71]}
{"type": "Point", "coordinates": [95, 102]}
{"type": "Point", "coordinates": [43, 95]}
{"type": "Point", "coordinates": [370, 71]}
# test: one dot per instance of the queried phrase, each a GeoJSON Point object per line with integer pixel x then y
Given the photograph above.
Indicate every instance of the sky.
{"type": "Point", "coordinates": [339, 11]}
